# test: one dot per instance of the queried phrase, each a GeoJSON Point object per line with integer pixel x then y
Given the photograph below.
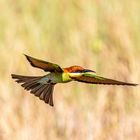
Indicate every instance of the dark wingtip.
{"type": "Point", "coordinates": [88, 70]}
{"type": "Point", "coordinates": [13, 76]}
{"type": "Point", "coordinates": [27, 57]}
{"type": "Point", "coordinates": [130, 84]}
{"type": "Point", "coordinates": [25, 54]}
{"type": "Point", "coordinates": [135, 84]}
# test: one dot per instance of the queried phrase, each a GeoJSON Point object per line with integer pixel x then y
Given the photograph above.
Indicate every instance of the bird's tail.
{"type": "Point", "coordinates": [43, 91]}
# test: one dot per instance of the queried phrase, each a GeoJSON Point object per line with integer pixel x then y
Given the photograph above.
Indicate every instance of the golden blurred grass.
{"type": "Point", "coordinates": [103, 35]}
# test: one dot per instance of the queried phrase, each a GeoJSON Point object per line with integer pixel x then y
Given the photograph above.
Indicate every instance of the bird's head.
{"type": "Point", "coordinates": [77, 70]}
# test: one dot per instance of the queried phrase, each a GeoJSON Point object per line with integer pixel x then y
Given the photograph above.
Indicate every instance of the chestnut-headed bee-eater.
{"type": "Point", "coordinates": [42, 86]}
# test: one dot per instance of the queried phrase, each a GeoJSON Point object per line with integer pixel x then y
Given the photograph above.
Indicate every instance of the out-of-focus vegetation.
{"type": "Point", "coordinates": [100, 35]}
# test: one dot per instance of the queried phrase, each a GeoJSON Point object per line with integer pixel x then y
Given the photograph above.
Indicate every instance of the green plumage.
{"type": "Point", "coordinates": [55, 78]}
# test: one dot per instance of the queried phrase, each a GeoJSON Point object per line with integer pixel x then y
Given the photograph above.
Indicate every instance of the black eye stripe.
{"type": "Point", "coordinates": [78, 71]}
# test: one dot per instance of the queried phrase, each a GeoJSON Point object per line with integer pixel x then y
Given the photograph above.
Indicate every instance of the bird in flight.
{"type": "Point", "coordinates": [42, 86]}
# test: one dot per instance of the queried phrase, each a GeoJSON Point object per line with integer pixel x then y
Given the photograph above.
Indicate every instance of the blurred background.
{"type": "Point", "coordinates": [96, 34]}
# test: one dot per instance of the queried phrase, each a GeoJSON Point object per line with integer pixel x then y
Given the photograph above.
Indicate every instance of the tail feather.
{"type": "Point", "coordinates": [43, 91]}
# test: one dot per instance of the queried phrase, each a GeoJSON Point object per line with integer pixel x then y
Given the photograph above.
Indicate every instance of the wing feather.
{"type": "Point", "coordinates": [94, 79]}
{"type": "Point", "coordinates": [46, 66]}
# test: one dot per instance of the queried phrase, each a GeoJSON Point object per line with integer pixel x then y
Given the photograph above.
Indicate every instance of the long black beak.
{"type": "Point", "coordinates": [87, 70]}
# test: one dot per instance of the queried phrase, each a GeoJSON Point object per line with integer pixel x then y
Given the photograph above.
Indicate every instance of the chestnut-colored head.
{"type": "Point", "coordinates": [77, 69]}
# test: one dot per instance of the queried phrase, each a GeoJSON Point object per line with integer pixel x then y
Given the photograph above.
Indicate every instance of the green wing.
{"type": "Point", "coordinates": [46, 66]}
{"type": "Point", "coordinates": [94, 79]}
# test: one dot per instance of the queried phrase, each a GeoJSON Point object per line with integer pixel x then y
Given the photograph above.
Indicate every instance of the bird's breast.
{"type": "Point", "coordinates": [66, 77]}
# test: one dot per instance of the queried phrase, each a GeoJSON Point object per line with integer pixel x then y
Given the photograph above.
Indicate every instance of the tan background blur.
{"type": "Point", "coordinates": [100, 35]}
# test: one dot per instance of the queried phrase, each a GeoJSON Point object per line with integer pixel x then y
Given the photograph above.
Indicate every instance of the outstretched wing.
{"type": "Point", "coordinates": [46, 66]}
{"type": "Point", "coordinates": [93, 79]}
